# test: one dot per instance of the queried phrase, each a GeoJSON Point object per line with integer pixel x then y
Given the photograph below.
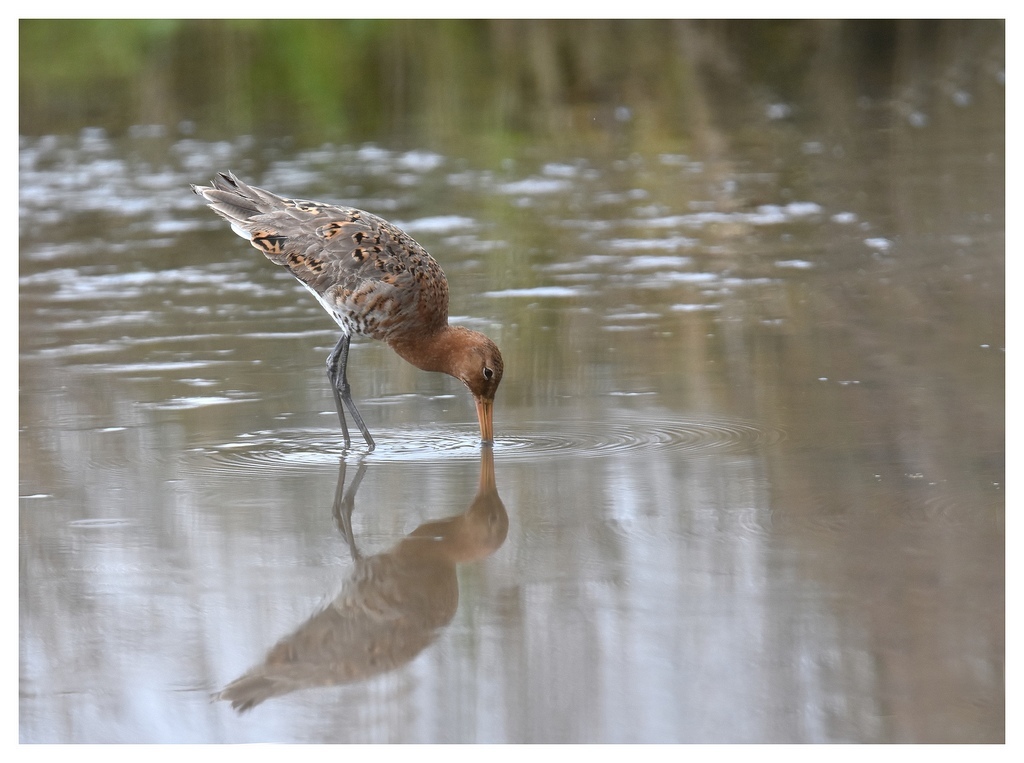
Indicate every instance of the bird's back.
{"type": "Point", "coordinates": [371, 276]}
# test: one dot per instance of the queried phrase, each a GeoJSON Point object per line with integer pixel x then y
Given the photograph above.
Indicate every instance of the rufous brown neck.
{"type": "Point", "coordinates": [438, 351]}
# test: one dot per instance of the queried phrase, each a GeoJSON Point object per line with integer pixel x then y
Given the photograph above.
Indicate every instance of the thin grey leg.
{"type": "Point", "coordinates": [336, 364]}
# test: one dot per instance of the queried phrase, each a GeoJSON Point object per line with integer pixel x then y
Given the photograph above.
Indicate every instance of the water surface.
{"type": "Point", "coordinates": [749, 459]}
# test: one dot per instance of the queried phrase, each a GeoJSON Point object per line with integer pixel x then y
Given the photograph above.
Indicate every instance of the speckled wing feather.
{"type": "Point", "coordinates": [368, 274]}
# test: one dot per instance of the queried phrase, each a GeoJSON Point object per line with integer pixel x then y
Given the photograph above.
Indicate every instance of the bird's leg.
{"type": "Point", "coordinates": [336, 364]}
{"type": "Point", "coordinates": [332, 374]}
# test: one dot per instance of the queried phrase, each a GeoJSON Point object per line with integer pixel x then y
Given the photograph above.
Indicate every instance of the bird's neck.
{"type": "Point", "coordinates": [435, 351]}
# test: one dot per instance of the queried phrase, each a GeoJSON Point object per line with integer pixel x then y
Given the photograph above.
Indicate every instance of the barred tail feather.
{"type": "Point", "coordinates": [236, 202]}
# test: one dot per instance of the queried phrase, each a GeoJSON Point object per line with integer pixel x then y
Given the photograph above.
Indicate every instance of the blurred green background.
{"type": "Point", "coordinates": [435, 82]}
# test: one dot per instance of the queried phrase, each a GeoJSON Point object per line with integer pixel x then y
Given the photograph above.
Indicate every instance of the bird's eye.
{"type": "Point", "coordinates": [488, 373]}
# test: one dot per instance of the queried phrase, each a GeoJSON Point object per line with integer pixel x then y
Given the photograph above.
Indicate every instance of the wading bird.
{"type": "Point", "coordinates": [373, 279]}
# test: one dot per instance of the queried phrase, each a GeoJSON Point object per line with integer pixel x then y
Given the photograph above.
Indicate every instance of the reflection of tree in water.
{"type": "Point", "coordinates": [391, 607]}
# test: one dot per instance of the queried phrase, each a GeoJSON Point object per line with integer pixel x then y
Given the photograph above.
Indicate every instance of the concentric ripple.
{"type": "Point", "coordinates": [625, 433]}
{"type": "Point", "coordinates": [621, 434]}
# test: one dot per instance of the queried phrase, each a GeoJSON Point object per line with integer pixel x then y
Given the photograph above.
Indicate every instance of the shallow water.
{"type": "Point", "coordinates": [749, 448]}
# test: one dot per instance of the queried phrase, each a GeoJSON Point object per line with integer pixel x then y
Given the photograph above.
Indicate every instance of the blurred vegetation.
{"type": "Point", "coordinates": [501, 82]}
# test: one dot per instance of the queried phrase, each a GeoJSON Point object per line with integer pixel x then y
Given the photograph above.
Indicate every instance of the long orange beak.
{"type": "Point", "coordinates": [485, 413]}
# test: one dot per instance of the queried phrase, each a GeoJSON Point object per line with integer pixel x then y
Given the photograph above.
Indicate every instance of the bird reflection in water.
{"type": "Point", "coordinates": [391, 606]}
